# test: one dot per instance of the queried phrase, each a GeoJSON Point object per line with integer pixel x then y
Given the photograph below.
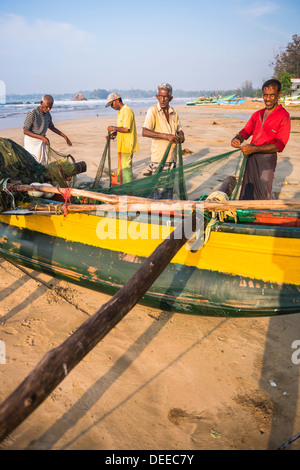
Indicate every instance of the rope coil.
{"type": "Point", "coordinates": [218, 216]}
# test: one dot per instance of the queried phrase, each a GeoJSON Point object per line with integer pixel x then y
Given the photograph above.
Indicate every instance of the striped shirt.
{"type": "Point", "coordinates": [37, 122]}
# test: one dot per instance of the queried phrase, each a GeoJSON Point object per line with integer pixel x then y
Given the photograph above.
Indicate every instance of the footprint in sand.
{"type": "Point", "coordinates": [30, 340]}
{"type": "Point", "coordinates": [9, 331]}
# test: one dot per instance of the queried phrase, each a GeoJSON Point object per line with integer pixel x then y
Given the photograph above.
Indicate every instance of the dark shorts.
{"type": "Point", "coordinates": [258, 176]}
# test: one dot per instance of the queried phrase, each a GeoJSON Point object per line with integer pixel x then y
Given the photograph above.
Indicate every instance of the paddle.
{"type": "Point", "coordinates": [57, 363]}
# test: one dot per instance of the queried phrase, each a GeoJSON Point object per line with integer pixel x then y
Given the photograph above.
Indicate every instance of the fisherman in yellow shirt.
{"type": "Point", "coordinates": [127, 141]}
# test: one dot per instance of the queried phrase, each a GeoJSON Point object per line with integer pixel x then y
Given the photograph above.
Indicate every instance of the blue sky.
{"type": "Point", "coordinates": [67, 46]}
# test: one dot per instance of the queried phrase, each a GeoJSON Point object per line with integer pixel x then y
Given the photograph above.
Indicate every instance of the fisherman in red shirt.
{"type": "Point", "coordinates": [270, 129]}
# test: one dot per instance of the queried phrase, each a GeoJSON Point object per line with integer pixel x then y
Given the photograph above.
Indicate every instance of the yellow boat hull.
{"type": "Point", "coordinates": [241, 270]}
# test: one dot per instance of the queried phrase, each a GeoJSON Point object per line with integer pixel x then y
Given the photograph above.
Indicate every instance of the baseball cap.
{"type": "Point", "coordinates": [112, 97]}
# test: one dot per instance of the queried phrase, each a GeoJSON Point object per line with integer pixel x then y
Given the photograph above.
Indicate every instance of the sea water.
{"type": "Point", "coordinates": [13, 114]}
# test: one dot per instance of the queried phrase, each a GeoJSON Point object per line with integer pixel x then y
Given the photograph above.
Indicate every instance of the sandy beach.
{"type": "Point", "coordinates": [158, 380]}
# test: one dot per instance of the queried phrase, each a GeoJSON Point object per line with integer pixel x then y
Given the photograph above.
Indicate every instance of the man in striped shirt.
{"type": "Point", "coordinates": [36, 124]}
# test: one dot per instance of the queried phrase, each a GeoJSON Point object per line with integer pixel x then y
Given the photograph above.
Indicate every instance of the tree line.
{"type": "Point", "coordinates": [286, 64]}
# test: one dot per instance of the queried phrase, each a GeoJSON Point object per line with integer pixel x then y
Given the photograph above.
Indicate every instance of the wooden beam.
{"type": "Point", "coordinates": [122, 203]}
{"type": "Point", "coordinates": [57, 363]}
{"type": "Point", "coordinates": [167, 206]}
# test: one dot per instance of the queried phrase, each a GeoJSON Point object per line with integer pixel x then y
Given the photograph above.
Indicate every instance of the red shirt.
{"type": "Point", "coordinates": [275, 130]}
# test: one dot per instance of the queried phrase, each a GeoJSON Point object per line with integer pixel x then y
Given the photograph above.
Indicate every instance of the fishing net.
{"type": "Point", "coordinates": [170, 184]}
{"type": "Point", "coordinates": [60, 168]}
{"type": "Point", "coordinates": [105, 155]}
{"type": "Point", "coordinates": [19, 165]}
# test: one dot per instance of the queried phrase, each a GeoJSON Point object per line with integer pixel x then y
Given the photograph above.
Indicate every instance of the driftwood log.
{"type": "Point", "coordinates": [57, 363]}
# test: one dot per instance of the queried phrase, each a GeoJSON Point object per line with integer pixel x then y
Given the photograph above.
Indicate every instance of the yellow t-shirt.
{"type": "Point", "coordinates": [127, 142]}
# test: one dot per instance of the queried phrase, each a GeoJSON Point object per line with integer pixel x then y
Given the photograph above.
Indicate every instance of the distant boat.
{"type": "Point", "coordinates": [292, 102]}
{"type": "Point", "coordinates": [202, 100]}
{"type": "Point", "coordinates": [231, 99]}
{"type": "Point", "coordinates": [294, 99]}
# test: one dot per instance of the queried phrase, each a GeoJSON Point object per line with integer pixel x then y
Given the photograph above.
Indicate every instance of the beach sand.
{"type": "Point", "coordinates": [158, 380]}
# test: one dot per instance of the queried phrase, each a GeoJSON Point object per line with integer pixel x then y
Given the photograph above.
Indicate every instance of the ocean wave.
{"type": "Point", "coordinates": [13, 114]}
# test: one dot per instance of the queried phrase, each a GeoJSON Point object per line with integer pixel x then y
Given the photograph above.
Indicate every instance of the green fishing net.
{"type": "Point", "coordinates": [16, 163]}
{"type": "Point", "coordinates": [171, 184]}
{"type": "Point", "coordinates": [19, 165]}
{"type": "Point", "coordinates": [60, 168]}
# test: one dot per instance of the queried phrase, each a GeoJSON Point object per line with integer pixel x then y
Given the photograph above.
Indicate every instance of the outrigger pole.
{"type": "Point", "coordinates": [118, 201]}
{"type": "Point", "coordinates": [58, 363]}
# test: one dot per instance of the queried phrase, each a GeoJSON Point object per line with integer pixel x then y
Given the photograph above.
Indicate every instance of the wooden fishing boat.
{"type": "Point", "coordinates": [233, 99]}
{"type": "Point", "coordinates": [150, 251]}
{"type": "Point", "coordinates": [246, 267]}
